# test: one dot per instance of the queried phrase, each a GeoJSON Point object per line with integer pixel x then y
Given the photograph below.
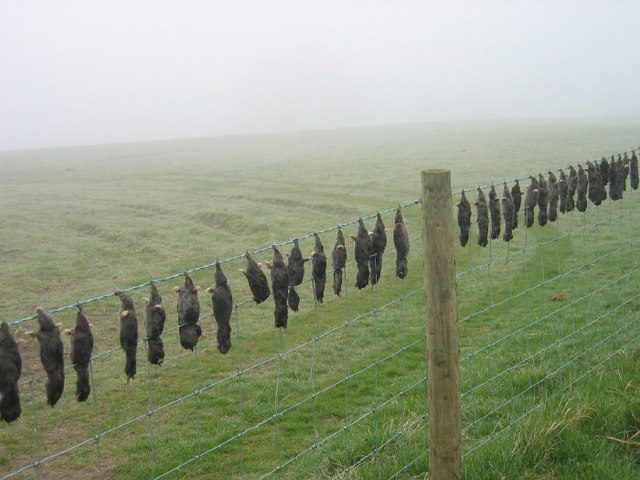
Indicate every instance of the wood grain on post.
{"type": "Point", "coordinates": [442, 326]}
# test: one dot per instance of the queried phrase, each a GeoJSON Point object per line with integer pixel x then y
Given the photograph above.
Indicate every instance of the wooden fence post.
{"type": "Point", "coordinates": [442, 326]}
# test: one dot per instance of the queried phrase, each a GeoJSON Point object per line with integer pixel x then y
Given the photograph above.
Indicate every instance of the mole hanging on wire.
{"type": "Point", "coordinates": [530, 202]}
{"type": "Point", "coordinates": [10, 372]}
{"type": "Point", "coordinates": [318, 268]}
{"type": "Point", "coordinates": [257, 280]}
{"type": "Point", "coordinates": [378, 246]}
{"type": "Point", "coordinates": [402, 244]}
{"type": "Point", "coordinates": [516, 196]}
{"type": "Point", "coordinates": [594, 184]}
{"type": "Point", "coordinates": [81, 349]}
{"type": "Point", "coordinates": [51, 355]}
{"type": "Point", "coordinates": [572, 186]}
{"type": "Point", "coordinates": [464, 218]}
{"type": "Point", "coordinates": [295, 269]}
{"type": "Point", "coordinates": [543, 200]}
{"type": "Point", "coordinates": [583, 182]}
{"type": "Point", "coordinates": [482, 214]}
{"type": "Point", "coordinates": [222, 303]}
{"type": "Point", "coordinates": [625, 170]}
{"type": "Point", "coordinates": [155, 317]}
{"type": "Point", "coordinates": [563, 190]}
{"type": "Point", "coordinates": [633, 170]}
{"type": "Point", "coordinates": [188, 313]}
{"type": "Point", "coordinates": [280, 287]}
{"type": "Point", "coordinates": [552, 185]}
{"type": "Point", "coordinates": [128, 333]}
{"type": "Point", "coordinates": [615, 188]}
{"type": "Point", "coordinates": [494, 210]}
{"type": "Point", "coordinates": [338, 261]}
{"type": "Point", "coordinates": [601, 181]}
{"type": "Point", "coordinates": [362, 254]}
{"type": "Point", "coordinates": [604, 172]}
{"type": "Point", "coordinates": [508, 212]}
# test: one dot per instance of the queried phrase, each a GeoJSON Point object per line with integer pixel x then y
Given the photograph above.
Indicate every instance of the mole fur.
{"type": "Point", "coordinates": [604, 171]}
{"type": "Point", "coordinates": [222, 303]}
{"type": "Point", "coordinates": [516, 196]}
{"type": "Point", "coordinates": [552, 186]}
{"type": "Point", "coordinates": [318, 268]}
{"type": "Point", "coordinates": [154, 320]}
{"type": "Point", "coordinates": [563, 190]}
{"type": "Point", "coordinates": [362, 254]}
{"type": "Point", "coordinates": [51, 355]}
{"type": "Point", "coordinates": [508, 212]}
{"type": "Point", "coordinates": [572, 185]}
{"type": "Point", "coordinates": [543, 200]}
{"type": "Point", "coordinates": [594, 184]}
{"type": "Point", "coordinates": [530, 202]}
{"type": "Point", "coordinates": [279, 286]}
{"type": "Point", "coordinates": [482, 213]}
{"type": "Point", "coordinates": [128, 333]}
{"type": "Point", "coordinates": [633, 170]}
{"type": "Point", "coordinates": [583, 183]}
{"type": "Point", "coordinates": [494, 210]}
{"type": "Point", "coordinates": [257, 280]}
{"type": "Point", "coordinates": [464, 218]}
{"type": "Point", "coordinates": [188, 314]}
{"type": "Point", "coordinates": [378, 246]}
{"type": "Point", "coordinates": [10, 372]}
{"type": "Point", "coordinates": [402, 244]}
{"type": "Point", "coordinates": [338, 261]}
{"type": "Point", "coordinates": [81, 349]}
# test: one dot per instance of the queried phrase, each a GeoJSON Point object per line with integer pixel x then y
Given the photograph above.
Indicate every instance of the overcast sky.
{"type": "Point", "coordinates": [81, 72]}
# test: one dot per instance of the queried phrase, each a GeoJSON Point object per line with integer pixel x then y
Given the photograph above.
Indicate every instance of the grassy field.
{"type": "Point", "coordinates": [543, 399]}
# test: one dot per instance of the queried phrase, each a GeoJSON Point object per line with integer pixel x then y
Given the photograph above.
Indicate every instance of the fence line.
{"type": "Point", "coordinates": [381, 399]}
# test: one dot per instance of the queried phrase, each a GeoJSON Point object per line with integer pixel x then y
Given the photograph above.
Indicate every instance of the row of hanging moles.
{"type": "Point", "coordinates": [566, 193]}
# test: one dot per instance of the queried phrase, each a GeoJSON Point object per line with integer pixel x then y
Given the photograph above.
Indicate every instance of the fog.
{"type": "Point", "coordinates": [79, 72]}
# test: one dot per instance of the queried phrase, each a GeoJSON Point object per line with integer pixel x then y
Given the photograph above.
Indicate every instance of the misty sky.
{"type": "Point", "coordinates": [81, 72]}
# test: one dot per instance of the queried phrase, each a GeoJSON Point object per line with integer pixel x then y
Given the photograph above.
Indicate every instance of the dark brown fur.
{"type": "Point", "coordinates": [464, 218]}
{"type": "Point", "coordinates": [257, 280]}
{"type": "Point", "coordinates": [615, 183]}
{"type": "Point", "coordinates": [280, 287]}
{"type": "Point", "coordinates": [402, 244]}
{"type": "Point", "coordinates": [583, 183]}
{"type": "Point", "coordinates": [51, 355]}
{"type": "Point", "coordinates": [552, 185]}
{"type": "Point", "coordinates": [128, 333]}
{"type": "Point", "coordinates": [563, 190]}
{"type": "Point", "coordinates": [572, 186]}
{"type": "Point", "coordinates": [594, 184]}
{"type": "Point", "coordinates": [295, 269]}
{"type": "Point", "coordinates": [516, 196]}
{"type": "Point", "coordinates": [530, 202]}
{"type": "Point", "coordinates": [494, 210]}
{"type": "Point", "coordinates": [362, 254]}
{"type": "Point", "coordinates": [222, 302]}
{"type": "Point", "coordinates": [543, 200]}
{"type": "Point", "coordinates": [338, 261]}
{"type": "Point", "coordinates": [154, 319]}
{"type": "Point", "coordinates": [633, 170]}
{"type": "Point", "coordinates": [10, 372]}
{"type": "Point", "coordinates": [378, 246]}
{"type": "Point", "coordinates": [188, 314]}
{"type": "Point", "coordinates": [604, 171]}
{"type": "Point", "coordinates": [318, 268]}
{"type": "Point", "coordinates": [81, 349]}
{"type": "Point", "coordinates": [482, 212]}
{"type": "Point", "coordinates": [625, 171]}
{"type": "Point", "coordinates": [508, 213]}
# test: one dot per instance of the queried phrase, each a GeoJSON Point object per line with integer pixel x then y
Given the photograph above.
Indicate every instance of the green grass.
{"type": "Point", "coordinates": [82, 221]}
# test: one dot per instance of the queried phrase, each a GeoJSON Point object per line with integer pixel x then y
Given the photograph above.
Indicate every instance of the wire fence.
{"type": "Point", "coordinates": [330, 396]}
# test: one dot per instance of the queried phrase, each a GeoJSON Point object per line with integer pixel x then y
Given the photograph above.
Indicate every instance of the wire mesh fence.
{"type": "Point", "coordinates": [342, 393]}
